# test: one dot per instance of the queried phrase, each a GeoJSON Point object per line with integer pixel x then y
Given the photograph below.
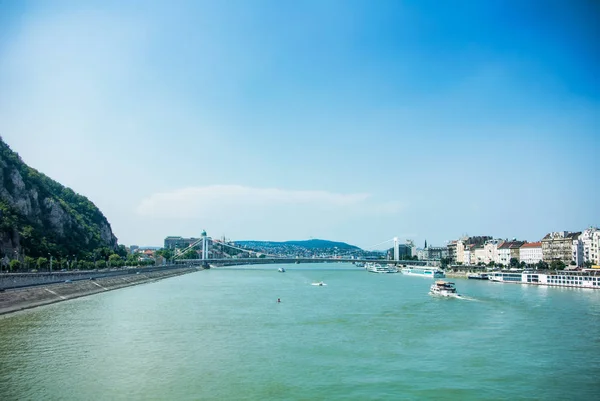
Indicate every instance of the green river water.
{"type": "Point", "coordinates": [221, 335]}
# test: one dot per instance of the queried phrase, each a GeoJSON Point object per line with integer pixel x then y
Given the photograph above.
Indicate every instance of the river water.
{"type": "Point", "coordinates": [221, 335]}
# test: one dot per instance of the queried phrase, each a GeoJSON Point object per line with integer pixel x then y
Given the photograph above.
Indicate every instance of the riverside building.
{"type": "Point", "coordinates": [559, 246]}
{"type": "Point", "coordinates": [531, 253]}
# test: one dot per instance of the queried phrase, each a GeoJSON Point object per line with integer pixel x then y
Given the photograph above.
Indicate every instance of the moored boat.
{"type": "Point", "coordinates": [423, 271]}
{"type": "Point", "coordinates": [477, 276]}
{"type": "Point", "coordinates": [586, 278]}
{"type": "Point", "coordinates": [379, 268]}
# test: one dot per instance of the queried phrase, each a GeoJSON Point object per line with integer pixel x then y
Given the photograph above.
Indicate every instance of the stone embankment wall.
{"type": "Point", "coordinates": [18, 280]}
{"type": "Point", "coordinates": [12, 300]}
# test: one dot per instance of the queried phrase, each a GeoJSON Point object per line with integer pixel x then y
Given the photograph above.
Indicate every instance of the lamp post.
{"type": "Point", "coordinates": [50, 262]}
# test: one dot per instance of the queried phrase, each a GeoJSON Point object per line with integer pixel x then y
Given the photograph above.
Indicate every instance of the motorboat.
{"type": "Point", "coordinates": [281, 270]}
{"type": "Point", "coordinates": [444, 289]}
{"type": "Point", "coordinates": [319, 284]}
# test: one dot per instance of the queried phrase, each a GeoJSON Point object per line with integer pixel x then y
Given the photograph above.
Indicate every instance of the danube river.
{"type": "Point", "coordinates": [221, 335]}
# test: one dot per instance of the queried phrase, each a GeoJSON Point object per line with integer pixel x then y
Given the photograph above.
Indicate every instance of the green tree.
{"type": "Point", "coordinates": [557, 265]}
{"type": "Point", "coordinates": [491, 263]}
{"type": "Point", "coordinates": [541, 265]}
{"type": "Point", "coordinates": [14, 265]}
{"type": "Point", "coordinates": [42, 263]}
{"type": "Point", "coordinates": [190, 254]}
{"type": "Point", "coordinates": [122, 251]}
{"type": "Point", "coordinates": [588, 264]}
{"type": "Point", "coordinates": [514, 262]}
{"type": "Point", "coordinates": [114, 260]}
{"type": "Point", "coordinates": [29, 262]}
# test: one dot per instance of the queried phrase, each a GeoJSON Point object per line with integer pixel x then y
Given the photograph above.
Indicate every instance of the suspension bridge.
{"type": "Point", "coordinates": [222, 253]}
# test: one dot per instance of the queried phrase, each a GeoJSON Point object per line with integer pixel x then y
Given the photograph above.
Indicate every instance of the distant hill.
{"type": "Point", "coordinates": [39, 216]}
{"type": "Point", "coordinates": [311, 244]}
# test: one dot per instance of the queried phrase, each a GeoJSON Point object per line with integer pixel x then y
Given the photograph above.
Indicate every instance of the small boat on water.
{"type": "Point", "coordinates": [281, 270]}
{"type": "Point", "coordinates": [443, 289]}
{"type": "Point", "coordinates": [477, 276]}
{"type": "Point", "coordinates": [319, 284]}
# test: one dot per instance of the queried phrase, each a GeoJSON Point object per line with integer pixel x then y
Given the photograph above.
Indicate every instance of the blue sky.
{"type": "Point", "coordinates": [346, 120]}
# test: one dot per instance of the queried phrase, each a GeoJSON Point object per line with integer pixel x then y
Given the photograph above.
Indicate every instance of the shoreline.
{"type": "Point", "coordinates": [15, 300]}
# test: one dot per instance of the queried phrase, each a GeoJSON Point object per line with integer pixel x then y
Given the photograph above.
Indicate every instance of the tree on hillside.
{"type": "Point", "coordinates": [114, 260]}
{"type": "Point", "coordinates": [122, 251]}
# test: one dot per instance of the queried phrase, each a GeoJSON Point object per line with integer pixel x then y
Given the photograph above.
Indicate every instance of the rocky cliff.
{"type": "Point", "coordinates": [39, 216]}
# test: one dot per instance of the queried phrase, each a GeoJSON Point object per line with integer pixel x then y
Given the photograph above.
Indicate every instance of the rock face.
{"type": "Point", "coordinates": [39, 216]}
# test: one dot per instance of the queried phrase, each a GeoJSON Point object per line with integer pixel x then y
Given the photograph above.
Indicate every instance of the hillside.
{"type": "Point", "coordinates": [39, 216]}
{"type": "Point", "coordinates": [312, 244]}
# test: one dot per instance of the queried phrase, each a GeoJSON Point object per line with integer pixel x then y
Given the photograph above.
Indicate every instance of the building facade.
{"type": "Point", "coordinates": [467, 253]}
{"type": "Point", "coordinates": [577, 251]}
{"type": "Point", "coordinates": [452, 251]}
{"type": "Point", "coordinates": [179, 242]}
{"type": "Point", "coordinates": [478, 254]}
{"type": "Point", "coordinates": [558, 246]}
{"type": "Point", "coordinates": [509, 250]}
{"type": "Point", "coordinates": [491, 250]}
{"type": "Point", "coordinates": [590, 239]}
{"type": "Point", "coordinates": [531, 253]}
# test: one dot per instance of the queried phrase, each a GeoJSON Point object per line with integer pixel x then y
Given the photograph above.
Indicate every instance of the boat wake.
{"type": "Point", "coordinates": [467, 298]}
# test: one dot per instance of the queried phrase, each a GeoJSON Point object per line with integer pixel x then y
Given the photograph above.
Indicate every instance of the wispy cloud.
{"type": "Point", "coordinates": [226, 201]}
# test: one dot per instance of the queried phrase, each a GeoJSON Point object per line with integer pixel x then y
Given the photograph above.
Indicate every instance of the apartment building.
{"type": "Point", "coordinates": [531, 253]}
{"type": "Point", "coordinates": [559, 246]}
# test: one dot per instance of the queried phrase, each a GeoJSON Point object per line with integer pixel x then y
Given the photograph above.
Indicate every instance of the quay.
{"type": "Point", "coordinates": [27, 291]}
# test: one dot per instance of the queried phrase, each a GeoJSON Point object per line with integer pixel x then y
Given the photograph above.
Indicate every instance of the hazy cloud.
{"type": "Point", "coordinates": [232, 200]}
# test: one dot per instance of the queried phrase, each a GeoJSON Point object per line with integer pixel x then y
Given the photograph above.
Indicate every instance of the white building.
{"type": "Point", "coordinates": [531, 253]}
{"type": "Point", "coordinates": [467, 253]}
{"type": "Point", "coordinates": [577, 249]}
{"type": "Point", "coordinates": [590, 240]}
{"type": "Point", "coordinates": [491, 251]}
{"type": "Point", "coordinates": [596, 249]}
{"type": "Point", "coordinates": [479, 253]}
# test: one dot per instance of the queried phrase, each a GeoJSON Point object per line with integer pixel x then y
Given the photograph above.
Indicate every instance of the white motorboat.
{"type": "Point", "coordinates": [281, 270]}
{"type": "Point", "coordinates": [443, 289]}
{"type": "Point", "coordinates": [319, 284]}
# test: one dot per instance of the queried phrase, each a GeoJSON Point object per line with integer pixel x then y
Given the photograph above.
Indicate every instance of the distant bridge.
{"type": "Point", "coordinates": [210, 248]}
{"type": "Point", "coordinates": [262, 261]}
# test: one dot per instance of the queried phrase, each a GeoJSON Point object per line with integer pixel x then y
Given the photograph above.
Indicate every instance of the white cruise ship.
{"type": "Point", "coordinates": [423, 271]}
{"type": "Point", "coordinates": [379, 268]}
{"type": "Point", "coordinates": [581, 279]}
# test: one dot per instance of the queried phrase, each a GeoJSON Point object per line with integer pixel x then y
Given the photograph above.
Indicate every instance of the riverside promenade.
{"type": "Point", "coordinates": [25, 291]}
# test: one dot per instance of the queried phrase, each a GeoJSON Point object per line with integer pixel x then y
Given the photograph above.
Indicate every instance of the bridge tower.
{"type": "Point", "coordinates": [396, 250]}
{"type": "Point", "coordinates": [204, 245]}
